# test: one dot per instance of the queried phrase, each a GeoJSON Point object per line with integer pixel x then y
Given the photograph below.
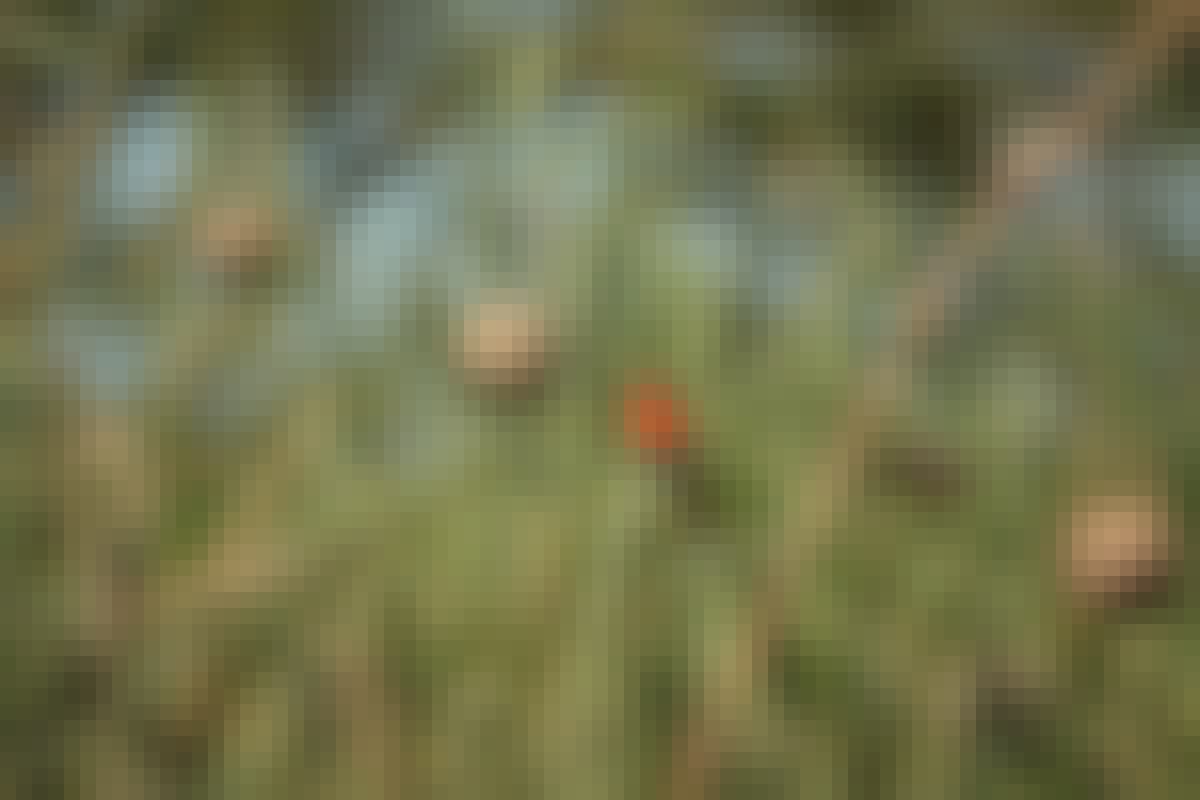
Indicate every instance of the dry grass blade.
{"type": "Point", "coordinates": [1017, 174]}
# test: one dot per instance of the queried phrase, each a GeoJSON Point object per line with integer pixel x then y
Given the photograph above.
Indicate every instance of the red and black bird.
{"type": "Point", "coordinates": [658, 429]}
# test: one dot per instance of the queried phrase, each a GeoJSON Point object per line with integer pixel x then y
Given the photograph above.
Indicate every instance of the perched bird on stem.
{"type": "Point", "coordinates": [657, 429]}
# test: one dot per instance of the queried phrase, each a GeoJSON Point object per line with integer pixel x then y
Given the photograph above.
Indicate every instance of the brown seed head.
{"type": "Point", "coordinates": [238, 237]}
{"type": "Point", "coordinates": [505, 343]}
{"type": "Point", "coordinates": [1117, 547]}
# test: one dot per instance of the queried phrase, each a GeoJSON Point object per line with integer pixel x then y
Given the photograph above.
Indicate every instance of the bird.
{"type": "Point", "coordinates": [659, 431]}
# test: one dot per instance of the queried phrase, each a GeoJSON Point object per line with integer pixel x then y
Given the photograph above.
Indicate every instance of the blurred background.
{"type": "Point", "coordinates": [553, 398]}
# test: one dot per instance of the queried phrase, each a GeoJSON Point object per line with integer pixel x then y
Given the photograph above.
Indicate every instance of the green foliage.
{"type": "Point", "coordinates": [363, 580]}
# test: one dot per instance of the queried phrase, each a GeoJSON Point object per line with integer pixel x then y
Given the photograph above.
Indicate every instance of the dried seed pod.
{"type": "Point", "coordinates": [930, 475]}
{"type": "Point", "coordinates": [1116, 548]}
{"type": "Point", "coordinates": [504, 346]}
{"type": "Point", "coordinates": [238, 242]}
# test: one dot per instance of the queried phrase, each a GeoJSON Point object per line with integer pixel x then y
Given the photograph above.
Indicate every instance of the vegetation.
{"type": "Point", "coordinates": [567, 400]}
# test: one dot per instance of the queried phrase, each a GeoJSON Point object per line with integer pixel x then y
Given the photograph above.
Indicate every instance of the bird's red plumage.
{"type": "Point", "coordinates": [655, 421]}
